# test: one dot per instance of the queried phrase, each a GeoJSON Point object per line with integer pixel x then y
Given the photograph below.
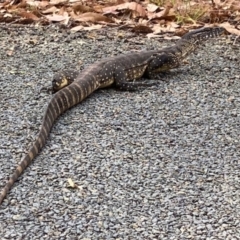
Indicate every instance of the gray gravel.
{"type": "Point", "coordinates": [162, 163]}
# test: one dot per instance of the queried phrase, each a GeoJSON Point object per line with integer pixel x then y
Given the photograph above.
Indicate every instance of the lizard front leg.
{"type": "Point", "coordinates": [160, 63]}
{"type": "Point", "coordinates": [124, 82]}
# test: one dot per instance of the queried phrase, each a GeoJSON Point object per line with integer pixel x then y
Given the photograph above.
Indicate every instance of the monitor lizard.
{"type": "Point", "coordinates": [121, 71]}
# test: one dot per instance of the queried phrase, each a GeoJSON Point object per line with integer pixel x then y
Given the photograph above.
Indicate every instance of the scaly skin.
{"type": "Point", "coordinates": [63, 79]}
{"type": "Point", "coordinates": [119, 71]}
{"type": "Point", "coordinates": [162, 61]}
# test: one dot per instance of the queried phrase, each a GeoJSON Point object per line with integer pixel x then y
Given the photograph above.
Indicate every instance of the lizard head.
{"type": "Point", "coordinates": [204, 33]}
{"type": "Point", "coordinates": [63, 79]}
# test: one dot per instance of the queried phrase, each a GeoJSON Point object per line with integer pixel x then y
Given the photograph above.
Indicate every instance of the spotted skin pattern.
{"type": "Point", "coordinates": [73, 87]}
{"type": "Point", "coordinates": [157, 61]}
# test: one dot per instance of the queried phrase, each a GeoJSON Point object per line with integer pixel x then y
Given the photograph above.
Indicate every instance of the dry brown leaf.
{"type": "Point", "coordinates": [152, 7]}
{"type": "Point", "coordinates": [2, 11]}
{"type": "Point", "coordinates": [7, 15]}
{"type": "Point", "coordinates": [4, 4]}
{"type": "Point", "coordinates": [237, 19]}
{"type": "Point", "coordinates": [52, 9]}
{"type": "Point", "coordinates": [93, 17]}
{"type": "Point", "coordinates": [128, 5]}
{"type": "Point", "coordinates": [110, 9]}
{"type": "Point", "coordinates": [169, 27]}
{"type": "Point", "coordinates": [216, 2]}
{"type": "Point", "coordinates": [62, 11]}
{"type": "Point", "coordinates": [142, 29]}
{"type": "Point", "coordinates": [56, 2]}
{"type": "Point", "coordinates": [56, 18]}
{"type": "Point", "coordinates": [66, 21]}
{"type": "Point", "coordinates": [163, 14]}
{"type": "Point", "coordinates": [180, 32]}
{"type": "Point", "coordinates": [224, 4]}
{"type": "Point", "coordinates": [73, 15]}
{"type": "Point", "coordinates": [173, 38]}
{"type": "Point", "coordinates": [236, 7]}
{"type": "Point", "coordinates": [173, 24]}
{"type": "Point", "coordinates": [93, 27]}
{"type": "Point", "coordinates": [33, 3]}
{"type": "Point", "coordinates": [219, 15]}
{"type": "Point", "coordinates": [22, 4]}
{"type": "Point", "coordinates": [153, 35]}
{"type": "Point", "coordinates": [74, 1]}
{"type": "Point", "coordinates": [43, 4]}
{"type": "Point", "coordinates": [230, 28]}
{"type": "Point", "coordinates": [81, 8]}
{"type": "Point", "coordinates": [28, 15]}
{"type": "Point", "coordinates": [77, 28]}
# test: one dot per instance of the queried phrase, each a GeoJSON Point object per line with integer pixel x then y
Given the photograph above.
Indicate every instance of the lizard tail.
{"type": "Point", "coordinates": [60, 102]}
{"type": "Point", "coordinates": [33, 151]}
{"type": "Point", "coordinates": [26, 160]}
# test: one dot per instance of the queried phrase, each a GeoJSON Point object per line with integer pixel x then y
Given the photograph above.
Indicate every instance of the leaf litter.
{"type": "Point", "coordinates": [151, 17]}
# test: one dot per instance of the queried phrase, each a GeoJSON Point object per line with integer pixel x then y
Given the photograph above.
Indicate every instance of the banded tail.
{"type": "Point", "coordinates": [60, 102]}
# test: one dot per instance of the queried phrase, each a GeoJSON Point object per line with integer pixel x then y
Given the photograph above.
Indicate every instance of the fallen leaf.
{"type": "Point", "coordinates": [33, 3]}
{"type": "Point", "coordinates": [22, 4]}
{"type": "Point", "coordinates": [170, 27]}
{"type": "Point", "coordinates": [81, 8]}
{"type": "Point", "coordinates": [56, 18]}
{"type": "Point", "coordinates": [43, 4]}
{"type": "Point", "coordinates": [7, 15]}
{"type": "Point", "coordinates": [73, 1]}
{"type": "Point", "coordinates": [142, 29]}
{"type": "Point", "coordinates": [230, 28]}
{"type": "Point", "coordinates": [80, 27]}
{"type": "Point", "coordinates": [161, 15]}
{"type": "Point", "coordinates": [224, 4]}
{"type": "Point", "coordinates": [236, 7]}
{"type": "Point", "coordinates": [93, 27]}
{"type": "Point", "coordinates": [3, 4]}
{"type": "Point", "coordinates": [93, 17]}
{"type": "Point", "coordinates": [52, 9]}
{"type": "Point", "coordinates": [153, 35]}
{"type": "Point", "coordinates": [77, 28]}
{"type": "Point", "coordinates": [171, 37]}
{"type": "Point", "coordinates": [180, 32]}
{"type": "Point", "coordinates": [56, 2]}
{"type": "Point", "coordinates": [28, 15]}
{"type": "Point", "coordinates": [152, 7]}
{"type": "Point", "coordinates": [128, 5]}
{"type": "Point", "coordinates": [62, 11]}
{"type": "Point", "coordinates": [71, 183]}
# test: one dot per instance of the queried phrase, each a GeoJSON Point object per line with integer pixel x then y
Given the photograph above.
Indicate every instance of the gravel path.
{"type": "Point", "coordinates": [162, 163]}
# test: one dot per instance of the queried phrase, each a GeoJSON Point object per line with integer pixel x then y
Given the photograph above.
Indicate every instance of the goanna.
{"type": "Point", "coordinates": [161, 60]}
{"type": "Point", "coordinates": [121, 71]}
